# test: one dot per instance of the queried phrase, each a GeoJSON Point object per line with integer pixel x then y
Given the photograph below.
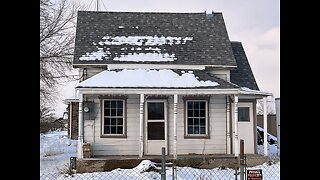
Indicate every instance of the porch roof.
{"type": "Point", "coordinates": [165, 78]}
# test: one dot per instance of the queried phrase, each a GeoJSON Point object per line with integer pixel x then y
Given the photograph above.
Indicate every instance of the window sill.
{"type": "Point", "coordinates": [113, 136]}
{"type": "Point", "coordinates": [197, 137]}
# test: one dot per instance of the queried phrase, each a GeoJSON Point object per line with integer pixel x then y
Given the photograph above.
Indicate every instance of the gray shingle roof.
{"type": "Point", "coordinates": [242, 76]}
{"type": "Point", "coordinates": [207, 40]}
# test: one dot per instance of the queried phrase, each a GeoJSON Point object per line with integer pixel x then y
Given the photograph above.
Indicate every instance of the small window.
{"type": "Point", "coordinates": [113, 117]}
{"type": "Point", "coordinates": [196, 118]}
{"type": "Point", "coordinates": [243, 114]}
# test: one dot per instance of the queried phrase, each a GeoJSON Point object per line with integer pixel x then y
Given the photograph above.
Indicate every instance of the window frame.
{"type": "Point", "coordinates": [124, 116]}
{"type": "Point", "coordinates": [207, 124]}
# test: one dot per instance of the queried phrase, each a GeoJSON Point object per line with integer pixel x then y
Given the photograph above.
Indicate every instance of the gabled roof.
{"type": "Point", "coordinates": [242, 76]}
{"type": "Point", "coordinates": [147, 37]}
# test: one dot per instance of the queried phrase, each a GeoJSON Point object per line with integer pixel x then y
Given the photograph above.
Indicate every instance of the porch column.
{"type": "Point", "coordinates": [228, 126]}
{"type": "Point", "coordinates": [80, 128]}
{"type": "Point", "coordinates": [175, 102]}
{"type": "Point", "coordinates": [236, 138]}
{"type": "Point", "coordinates": [70, 119]}
{"type": "Point", "coordinates": [141, 125]}
{"type": "Point", "coordinates": [265, 127]}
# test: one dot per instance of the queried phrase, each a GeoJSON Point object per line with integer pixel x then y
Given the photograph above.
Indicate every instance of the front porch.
{"type": "Point", "coordinates": [108, 163]}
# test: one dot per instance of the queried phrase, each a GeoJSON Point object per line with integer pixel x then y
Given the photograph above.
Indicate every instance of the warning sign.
{"type": "Point", "coordinates": [254, 174]}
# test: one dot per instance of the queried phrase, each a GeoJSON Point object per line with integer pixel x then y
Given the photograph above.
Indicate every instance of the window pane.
{"type": "Point", "coordinates": [243, 114]}
{"type": "Point", "coordinates": [106, 121]}
{"type": "Point", "coordinates": [113, 112]}
{"type": "Point", "coordinates": [190, 113]}
{"type": "Point", "coordinates": [113, 104]}
{"type": "Point", "coordinates": [119, 121]}
{"type": "Point", "coordinates": [113, 121]}
{"type": "Point", "coordinates": [202, 121]}
{"type": "Point", "coordinates": [106, 129]}
{"type": "Point", "coordinates": [119, 130]}
{"type": "Point", "coordinates": [196, 121]}
{"type": "Point", "coordinates": [155, 110]}
{"type": "Point", "coordinates": [196, 130]}
{"type": "Point", "coordinates": [120, 104]}
{"type": "Point", "coordinates": [190, 121]}
{"type": "Point", "coordinates": [196, 113]}
{"type": "Point", "coordinates": [202, 105]}
{"type": "Point", "coordinates": [190, 129]}
{"type": "Point", "coordinates": [196, 105]}
{"type": "Point", "coordinates": [113, 130]}
{"type": "Point", "coordinates": [190, 105]}
{"type": "Point", "coordinates": [107, 112]}
{"type": "Point", "coordinates": [155, 130]}
{"type": "Point", "coordinates": [202, 130]}
{"type": "Point", "coordinates": [106, 104]}
{"type": "Point", "coordinates": [119, 112]}
{"type": "Point", "coordinates": [202, 113]}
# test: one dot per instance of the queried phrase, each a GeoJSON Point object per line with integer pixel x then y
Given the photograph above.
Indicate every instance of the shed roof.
{"type": "Point", "coordinates": [242, 75]}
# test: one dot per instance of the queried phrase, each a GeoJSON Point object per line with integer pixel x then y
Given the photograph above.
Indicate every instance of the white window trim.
{"type": "Point", "coordinates": [206, 135]}
{"type": "Point", "coordinates": [124, 134]}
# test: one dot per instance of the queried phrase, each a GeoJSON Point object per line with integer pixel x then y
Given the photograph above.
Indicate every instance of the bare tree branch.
{"type": "Point", "coordinates": [57, 34]}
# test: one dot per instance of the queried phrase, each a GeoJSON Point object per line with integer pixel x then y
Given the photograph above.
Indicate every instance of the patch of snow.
{"type": "Point", "coordinates": [144, 78]}
{"type": "Point", "coordinates": [145, 57]}
{"type": "Point", "coordinates": [96, 55]}
{"type": "Point", "coordinates": [143, 40]}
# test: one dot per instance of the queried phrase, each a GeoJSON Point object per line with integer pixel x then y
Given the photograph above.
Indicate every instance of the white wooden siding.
{"type": "Point", "coordinates": [216, 144]}
{"type": "Point", "coordinates": [116, 146]}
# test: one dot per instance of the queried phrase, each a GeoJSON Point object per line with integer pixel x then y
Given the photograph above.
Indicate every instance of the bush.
{"type": "Point", "coordinates": [51, 126]}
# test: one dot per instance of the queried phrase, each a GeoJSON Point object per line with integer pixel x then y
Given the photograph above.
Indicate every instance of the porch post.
{"type": "Point", "coordinates": [175, 102]}
{"type": "Point", "coordinates": [228, 125]}
{"type": "Point", "coordinates": [236, 138]}
{"type": "Point", "coordinates": [70, 119]}
{"type": "Point", "coordinates": [265, 127]}
{"type": "Point", "coordinates": [80, 128]}
{"type": "Point", "coordinates": [141, 125]}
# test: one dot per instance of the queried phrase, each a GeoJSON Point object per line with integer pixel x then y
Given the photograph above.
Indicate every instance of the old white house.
{"type": "Point", "coordinates": [153, 80]}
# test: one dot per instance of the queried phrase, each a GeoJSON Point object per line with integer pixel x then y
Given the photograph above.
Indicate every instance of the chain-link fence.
{"type": "Point", "coordinates": [267, 167]}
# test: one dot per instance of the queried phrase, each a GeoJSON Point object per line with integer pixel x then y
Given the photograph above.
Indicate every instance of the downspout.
{"type": "Point", "coordinates": [80, 128]}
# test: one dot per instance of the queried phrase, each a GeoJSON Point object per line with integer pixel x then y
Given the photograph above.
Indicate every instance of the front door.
{"type": "Point", "coordinates": [155, 126]}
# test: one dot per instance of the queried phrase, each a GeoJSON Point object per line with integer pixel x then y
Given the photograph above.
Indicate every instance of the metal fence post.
{"type": "Point", "coordinates": [242, 159]}
{"type": "Point", "coordinates": [163, 164]}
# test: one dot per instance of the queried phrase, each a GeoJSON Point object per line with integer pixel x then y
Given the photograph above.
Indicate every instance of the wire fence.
{"type": "Point", "coordinates": [255, 166]}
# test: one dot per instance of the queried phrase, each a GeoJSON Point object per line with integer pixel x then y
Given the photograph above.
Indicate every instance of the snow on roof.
{"type": "Point", "coordinates": [245, 90]}
{"type": "Point", "coordinates": [145, 78]}
{"type": "Point", "coordinates": [151, 43]}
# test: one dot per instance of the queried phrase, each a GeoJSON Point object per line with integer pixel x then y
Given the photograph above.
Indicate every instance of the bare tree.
{"type": "Point", "coordinates": [57, 33]}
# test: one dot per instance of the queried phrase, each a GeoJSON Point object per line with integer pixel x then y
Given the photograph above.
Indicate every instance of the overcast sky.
{"type": "Point", "coordinates": [255, 23]}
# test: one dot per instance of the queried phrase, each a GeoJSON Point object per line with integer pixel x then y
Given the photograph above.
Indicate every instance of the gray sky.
{"type": "Point", "coordinates": [255, 23]}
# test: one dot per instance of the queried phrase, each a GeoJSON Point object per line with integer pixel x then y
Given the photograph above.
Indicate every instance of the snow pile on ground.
{"type": "Point", "coordinates": [55, 152]}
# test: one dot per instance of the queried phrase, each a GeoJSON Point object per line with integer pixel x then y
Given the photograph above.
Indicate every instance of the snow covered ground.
{"type": "Point", "coordinates": [56, 150]}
